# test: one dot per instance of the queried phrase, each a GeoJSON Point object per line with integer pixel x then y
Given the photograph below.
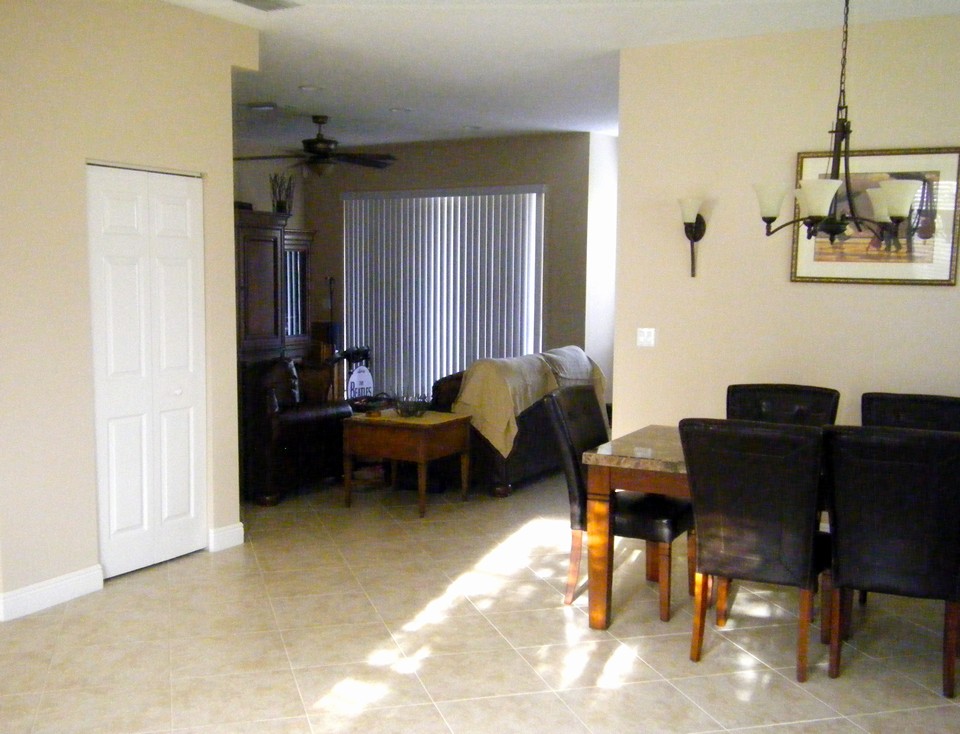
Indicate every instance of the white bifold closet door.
{"type": "Point", "coordinates": [146, 280]}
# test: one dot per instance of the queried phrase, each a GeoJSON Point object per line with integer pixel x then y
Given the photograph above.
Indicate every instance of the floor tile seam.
{"type": "Point", "coordinates": [41, 694]}
{"type": "Point", "coordinates": [792, 624]}
{"type": "Point", "coordinates": [518, 648]}
{"type": "Point", "coordinates": [948, 704]}
{"type": "Point", "coordinates": [628, 638]}
{"type": "Point", "coordinates": [669, 682]}
{"type": "Point", "coordinates": [494, 696]}
{"type": "Point", "coordinates": [935, 688]}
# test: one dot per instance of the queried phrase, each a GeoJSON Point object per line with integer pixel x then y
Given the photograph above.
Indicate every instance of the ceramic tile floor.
{"type": "Point", "coordinates": [370, 620]}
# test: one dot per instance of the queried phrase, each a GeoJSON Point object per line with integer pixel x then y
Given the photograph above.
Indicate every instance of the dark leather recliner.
{"type": "Point", "coordinates": [895, 513]}
{"type": "Point", "coordinates": [533, 454]}
{"type": "Point", "coordinates": [755, 488]}
{"type": "Point", "coordinates": [302, 432]}
{"type": "Point", "coordinates": [578, 424]}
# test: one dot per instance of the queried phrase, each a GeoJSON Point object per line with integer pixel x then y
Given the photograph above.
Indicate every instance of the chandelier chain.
{"type": "Point", "coordinates": [842, 101]}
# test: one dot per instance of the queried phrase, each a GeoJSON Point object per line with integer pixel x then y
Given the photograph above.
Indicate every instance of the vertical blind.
{"type": "Point", "coordinates": [295, 291]}
{"type": "Point", "coordinates": [435, 280]}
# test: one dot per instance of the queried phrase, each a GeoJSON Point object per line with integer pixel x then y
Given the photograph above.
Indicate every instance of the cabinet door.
{"type": "Point", "coordinates": [259, 316]}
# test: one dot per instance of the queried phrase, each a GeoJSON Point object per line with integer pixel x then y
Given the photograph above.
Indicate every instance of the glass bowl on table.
{"type": "Point", "coordinates": [411, 406]}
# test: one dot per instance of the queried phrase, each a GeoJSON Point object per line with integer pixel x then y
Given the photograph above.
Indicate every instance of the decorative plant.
{"type": "Point", "coordinates": [281, 190]}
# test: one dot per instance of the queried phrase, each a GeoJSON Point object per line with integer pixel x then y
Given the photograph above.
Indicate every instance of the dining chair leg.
{"type": "Point", "coordinates": [951, 633]}
{"type": "Point", "coordinates": [691, 560]}
{"type": "Point", "coordinates": [826, 594]}
{"type": "Point", "coordinates": [803, 633]}
{"type": "Point", "coordinates": [653, 562]}
{"type": "Point", "coordinates": [723, 599]}
{"type": "Point", "coordinates": [846, 601]}
{"type": "Point", "coordinates": [664, 555]}
{"type": "Point", "coordinates": [700, 597]}
{"type": "Point", "coordinates": [573, 569]}
{"type": "Point", "coordinates": [836, 624]}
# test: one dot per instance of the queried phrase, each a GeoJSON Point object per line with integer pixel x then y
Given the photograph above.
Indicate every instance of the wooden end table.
{"type": "Point", "coordinates": [430, 436]}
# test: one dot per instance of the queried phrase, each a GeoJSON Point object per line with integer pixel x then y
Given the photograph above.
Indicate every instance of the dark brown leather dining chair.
{"type": "Point", "coordinates": [905, 410]}
{"type": "Point", "coordinates": [579, 425]}
{"type": "Point", "coordinates": [895, 514]}
{"type": "Point", "coordinates": [755, 493]}
{"type": "Point", "coordinates": [805, 405]}
{"type": "Point", "coordinates": [909, 410]}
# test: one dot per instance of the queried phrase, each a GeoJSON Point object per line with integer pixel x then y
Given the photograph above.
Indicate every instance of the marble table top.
{"type": "Point", "coordinates": [652, 448]}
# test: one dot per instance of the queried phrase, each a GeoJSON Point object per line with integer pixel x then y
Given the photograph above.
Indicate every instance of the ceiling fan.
{"type": "Point", "coordinates": [320, 152]}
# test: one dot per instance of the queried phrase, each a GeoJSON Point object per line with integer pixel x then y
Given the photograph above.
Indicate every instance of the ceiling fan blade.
{"type": "Point", "coordinates": [268, 157]}
{"type": "Point", "coordinates": [370, 160]}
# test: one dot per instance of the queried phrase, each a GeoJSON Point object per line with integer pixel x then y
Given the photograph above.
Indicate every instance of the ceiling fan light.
{"type": "Point", "coordinates": [818, 195]}
{"type": "Point", "coordinates": [321, 168]}
{"type": "Point", "coordinates": [899, 194]}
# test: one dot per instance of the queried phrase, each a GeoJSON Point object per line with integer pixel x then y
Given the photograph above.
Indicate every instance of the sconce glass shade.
{"type": "Point", "coordinates": [899, 195]}
{"type": "Point", "coordinates": [689, 208]}
{"type": "Point", "coordinates": [770, 197]}
{"type": "Point", "coordinates": [878, 200]}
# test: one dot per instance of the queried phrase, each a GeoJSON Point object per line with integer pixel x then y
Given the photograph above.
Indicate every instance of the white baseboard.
{"type": "Point", "coordinates": [46, 594]}
{"type": "Point", "coordinates": [225, 537]}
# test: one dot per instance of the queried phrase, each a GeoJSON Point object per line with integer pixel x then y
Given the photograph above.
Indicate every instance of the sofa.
{"type": "Point", "coordinates": [300, 432]}
{"type": "Point", "coordinates": [511, 435]}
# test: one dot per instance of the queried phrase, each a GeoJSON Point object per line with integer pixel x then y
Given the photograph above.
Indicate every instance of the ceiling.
{"type": "Point", "coordinates": [387, 72]}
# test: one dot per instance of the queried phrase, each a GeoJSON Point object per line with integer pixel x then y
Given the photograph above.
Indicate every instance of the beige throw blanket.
{"type": "Point", "coordinates": [495, 391]}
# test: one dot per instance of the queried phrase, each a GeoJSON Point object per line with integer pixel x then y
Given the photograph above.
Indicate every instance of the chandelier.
{"type": "Point", "coordinates": [824, 207]}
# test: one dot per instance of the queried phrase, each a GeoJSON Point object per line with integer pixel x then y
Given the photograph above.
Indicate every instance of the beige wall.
{"type": "Point", "coordinates": [712, 118]}
{"type": "Point", "coordinates": [139, 83]}
{"type": "Point", "coordinates": [561, 161]}
{"type": "Point", "coordinates": [602, 254]}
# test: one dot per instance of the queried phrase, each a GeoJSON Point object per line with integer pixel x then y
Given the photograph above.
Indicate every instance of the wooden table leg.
{"type": "Point", "coordinates": [422, 486]}
{"type": "Point", "coordinates": [464, 474]}
{"type": "Point", "coordinates": [599, 546]}
{"type": "Point", "coordinates": [347, 477]}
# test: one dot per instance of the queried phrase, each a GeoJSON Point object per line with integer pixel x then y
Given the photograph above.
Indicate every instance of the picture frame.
{"type": "Point", "coordinates": [924, 252]}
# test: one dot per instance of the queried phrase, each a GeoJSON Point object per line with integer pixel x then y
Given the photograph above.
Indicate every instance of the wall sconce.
{"type": "Point", "coordinates": [694, 227]}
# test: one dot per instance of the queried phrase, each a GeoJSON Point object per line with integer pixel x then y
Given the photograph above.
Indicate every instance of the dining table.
{"type": "Point", "coordinates": [647, 460]}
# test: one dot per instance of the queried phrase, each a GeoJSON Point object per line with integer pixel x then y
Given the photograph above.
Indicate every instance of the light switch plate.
{"type": "Point", "coordinates": [646, 337]}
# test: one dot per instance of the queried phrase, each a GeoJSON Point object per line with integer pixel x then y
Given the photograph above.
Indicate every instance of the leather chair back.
{"type": "Point", "coordinates": [578, 424]}
{"type": "Point", "coordinates": [779, 403]}
{"type": "Point", "coordinates": [932, 412]}
{"type": "Point", "coordinates": [895, 510]}
{"type": "Point", "coordinates": [754, 488]}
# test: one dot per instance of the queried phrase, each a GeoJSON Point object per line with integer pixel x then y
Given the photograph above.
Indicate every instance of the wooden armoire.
{"type": "Point", "coordinates": [272, 318]}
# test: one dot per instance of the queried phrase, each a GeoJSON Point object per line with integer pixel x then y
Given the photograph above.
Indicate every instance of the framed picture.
{"type": "Point", "coordinates": [924, 248]}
